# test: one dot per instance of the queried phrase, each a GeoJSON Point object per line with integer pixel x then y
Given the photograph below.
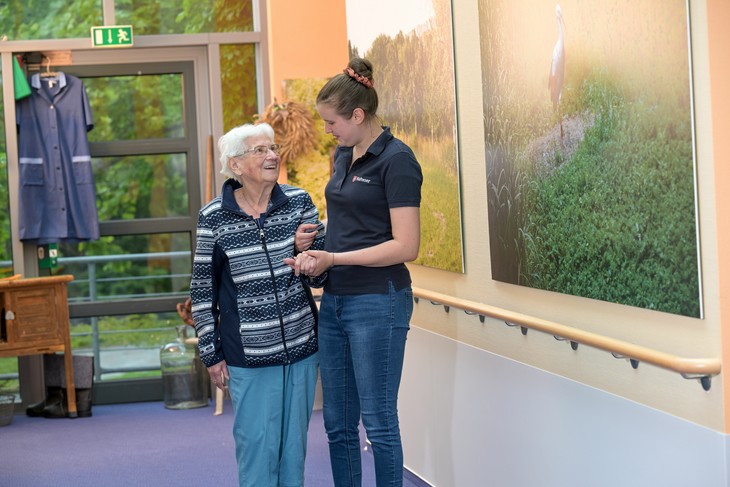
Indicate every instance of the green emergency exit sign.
{"type": "Point", "coordinates": [112, 36]}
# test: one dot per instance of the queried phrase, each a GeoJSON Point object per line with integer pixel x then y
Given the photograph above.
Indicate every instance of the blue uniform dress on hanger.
{"type": "Point", "coordinates": [57, 190]}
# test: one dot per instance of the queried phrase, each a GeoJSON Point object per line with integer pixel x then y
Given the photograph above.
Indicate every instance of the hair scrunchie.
{"type": "Point", "coordinates": [360, 79]}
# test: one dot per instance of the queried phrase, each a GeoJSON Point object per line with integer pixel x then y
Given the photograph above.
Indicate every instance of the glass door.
{"type": "Point", "coordinates": [144, 148]}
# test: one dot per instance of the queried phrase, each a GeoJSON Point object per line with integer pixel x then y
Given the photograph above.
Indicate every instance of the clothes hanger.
{"type": "Point", "coordinates": [48, 73]}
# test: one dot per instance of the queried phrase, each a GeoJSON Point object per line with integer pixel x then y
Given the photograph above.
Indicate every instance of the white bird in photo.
{"type": "Point", "coordinates": [557, 68]}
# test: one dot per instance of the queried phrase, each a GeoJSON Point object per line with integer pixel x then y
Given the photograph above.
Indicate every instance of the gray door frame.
{"type": "Point", "coordinates": [193, 64]}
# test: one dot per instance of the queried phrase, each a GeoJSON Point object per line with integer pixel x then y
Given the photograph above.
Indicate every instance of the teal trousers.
{"type": "Point", "coordinates": [272, 407]}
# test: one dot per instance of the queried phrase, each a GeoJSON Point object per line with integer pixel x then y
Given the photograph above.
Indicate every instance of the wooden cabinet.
{"type": "Point", "coordinates": [34, 319]}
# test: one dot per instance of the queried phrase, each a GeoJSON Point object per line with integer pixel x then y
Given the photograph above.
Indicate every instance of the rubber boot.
{"type": "Point", "coordinates": [53, 395]}
{"type": "Point", "coordinates": [56, 407]}
{"type": "Point", "coordinates": [83, 402]}
{"type": "Point", "coordinates": [59, 407]}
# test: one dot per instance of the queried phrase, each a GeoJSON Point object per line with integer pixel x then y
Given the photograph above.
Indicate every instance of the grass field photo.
{"type": "Point", "coordinates": [590, 150]}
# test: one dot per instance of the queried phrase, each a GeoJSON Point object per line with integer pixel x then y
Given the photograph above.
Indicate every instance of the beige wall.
{"type": "Point", "coordinates": [718, 33]}
{"type": "Point", "coordinates": [306, 40]}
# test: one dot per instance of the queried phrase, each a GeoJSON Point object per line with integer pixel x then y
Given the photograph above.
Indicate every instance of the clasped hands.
{"type": "Point", "coordinates": [310, 262]}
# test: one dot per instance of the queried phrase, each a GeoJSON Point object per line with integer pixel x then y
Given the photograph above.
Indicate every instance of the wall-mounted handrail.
{"type": "Point", "coordinates": [690, 368]}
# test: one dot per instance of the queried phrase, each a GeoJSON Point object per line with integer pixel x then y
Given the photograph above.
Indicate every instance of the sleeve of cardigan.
{"type": "Point", "coordinates": [204, 294]}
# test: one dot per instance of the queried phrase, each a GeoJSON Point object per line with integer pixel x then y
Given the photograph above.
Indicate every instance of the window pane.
{"type": "Point", "coordinates": [127, 267]}
{"type": "Point", "coordinates": [141, 186]}
{"type": "Point", "coordinates": [8, 365]}
{"type": "Point", "coordinates": [136, 107]}
{"type": "Point", "coordinates": [238, 84]}
{"type": "Point", "coordinates": [9, 375]}
{"type": "Point", "coordinates": [127, 346]}
{"type": "Point", "coordinates": [49, 19]}
{"type": "Point", "coordinates": [151, 17]}
{"type": "Point", "coordinates": [6, 247]}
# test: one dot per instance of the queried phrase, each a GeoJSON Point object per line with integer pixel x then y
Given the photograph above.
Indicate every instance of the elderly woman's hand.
{"type": "Point", "coordinates": [304, 236]}
{"type": "Point", "coordinates": [219, 375]}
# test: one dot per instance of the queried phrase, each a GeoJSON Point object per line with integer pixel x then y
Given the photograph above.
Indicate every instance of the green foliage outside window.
{"type": "Point", "coordinates": [238, 84]}
{"type": "Point", "coordinates": [151, 17]}
{"type": "Point", "coordinates": [62, 19]}
{"type": "Point", "coordinates": [136, 330]}
{"type": "Point", "coordinates": [136, 107]}
{"type": "Point", "coordinates": [134, 186]}
{"type": "Point", "coordinates": [48, 19]}
{"type": "Point", "coordinates": [8, 365]}
{"type": "Point", "coordinates": [6, 251]}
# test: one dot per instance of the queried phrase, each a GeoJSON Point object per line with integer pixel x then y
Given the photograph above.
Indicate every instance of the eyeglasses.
{"type": "Point", "coordinates": [261, 150]}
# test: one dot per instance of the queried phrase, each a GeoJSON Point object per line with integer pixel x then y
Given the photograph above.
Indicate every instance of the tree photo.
{"type": "Point", "coordinates": [413, 62]}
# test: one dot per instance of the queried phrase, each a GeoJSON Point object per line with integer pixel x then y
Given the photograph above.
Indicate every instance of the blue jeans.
{"type": "Point", "coordinates": [271, 411]}
{"type": "Point", "coordinates": [362, 342]}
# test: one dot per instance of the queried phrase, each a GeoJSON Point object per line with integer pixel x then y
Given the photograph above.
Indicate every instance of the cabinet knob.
{"type": "Point", "coordinates": [9, 315]}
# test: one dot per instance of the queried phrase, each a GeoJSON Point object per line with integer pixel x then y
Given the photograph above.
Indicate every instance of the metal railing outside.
{"type": "Point", "coordinates": [150, 360]}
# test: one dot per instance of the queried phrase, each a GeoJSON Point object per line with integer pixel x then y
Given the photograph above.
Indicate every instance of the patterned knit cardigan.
{"type": "Point", "coordinates": [249, 308]}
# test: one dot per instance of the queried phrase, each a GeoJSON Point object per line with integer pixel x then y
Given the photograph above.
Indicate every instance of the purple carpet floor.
{"type": "Point", "coordinates": [143, 444]}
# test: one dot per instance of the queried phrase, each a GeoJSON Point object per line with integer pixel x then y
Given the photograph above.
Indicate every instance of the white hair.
{"type": "Point", "coordinates": [233, 143]}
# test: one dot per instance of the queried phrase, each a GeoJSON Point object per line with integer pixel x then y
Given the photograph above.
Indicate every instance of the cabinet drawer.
{"type": "Point", "coordinates": [34, 316]}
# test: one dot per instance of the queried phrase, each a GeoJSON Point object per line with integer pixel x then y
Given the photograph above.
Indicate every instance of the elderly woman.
{"type": "Point", "coordinates": [256, 320]}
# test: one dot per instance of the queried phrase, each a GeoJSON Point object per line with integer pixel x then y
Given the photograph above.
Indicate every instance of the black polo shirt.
{"type": "Point", "coordinates": [359, 199]}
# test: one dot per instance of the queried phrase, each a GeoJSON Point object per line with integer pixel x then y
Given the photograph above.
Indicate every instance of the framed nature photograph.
{"type": "Point", "coordinates": [412, 52]}
{"type": "Point", "coordinates": [590, 149]}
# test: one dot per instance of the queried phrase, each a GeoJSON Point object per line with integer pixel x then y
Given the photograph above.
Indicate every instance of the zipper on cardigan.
{"type": "Point", "coordinates": [262, 237]}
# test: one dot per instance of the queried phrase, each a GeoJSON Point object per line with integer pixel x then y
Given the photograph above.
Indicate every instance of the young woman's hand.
{"type": "Point", "coordinates": [310, 263]}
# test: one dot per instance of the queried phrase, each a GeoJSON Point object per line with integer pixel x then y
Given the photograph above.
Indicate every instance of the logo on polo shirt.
{"type": "Point", "coordinates": [358, 179]}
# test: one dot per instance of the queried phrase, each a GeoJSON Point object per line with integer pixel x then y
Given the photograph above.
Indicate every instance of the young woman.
{"type": "Point", "coordinates": [373, 227]}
